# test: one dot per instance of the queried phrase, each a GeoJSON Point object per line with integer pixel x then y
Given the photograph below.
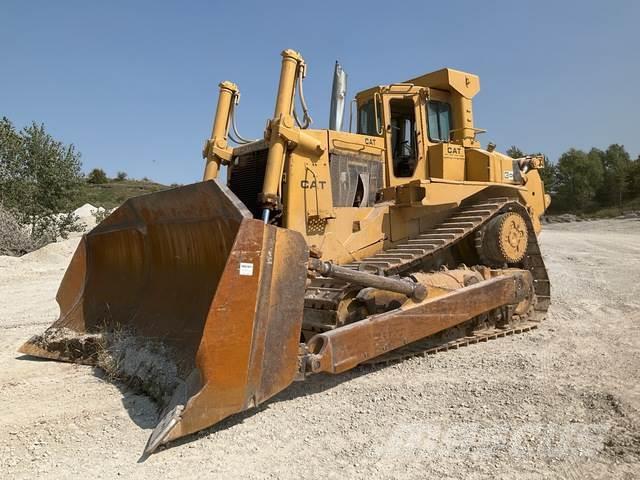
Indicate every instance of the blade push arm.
{"type": "Point", "coordinates": [282, 133]}
{"type": "Point", "coordinates": [216, 149]}
{"type": "Point", "coordinates": [344, 348]}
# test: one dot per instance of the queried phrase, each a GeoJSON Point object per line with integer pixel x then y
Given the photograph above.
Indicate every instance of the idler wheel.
{"type": "Point", "coordinates": [504, 239]}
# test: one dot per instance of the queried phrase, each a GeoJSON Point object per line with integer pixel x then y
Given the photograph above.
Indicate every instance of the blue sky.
{"type": "Point", "coordinates": [133, 84]}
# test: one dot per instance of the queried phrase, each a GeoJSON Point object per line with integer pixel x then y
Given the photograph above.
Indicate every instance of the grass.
{"type": "Point", "coordinates": [610, 212]}
{"type": "Point", "coordinates": [114, 192]}
{"type": "Point", "coordinates": [628, 206]}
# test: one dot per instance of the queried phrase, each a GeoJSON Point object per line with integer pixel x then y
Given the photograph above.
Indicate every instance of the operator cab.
{"type": "Point", "coordinates": [401, 130]}
{"type": "Point", "coordinates": [425, 122]}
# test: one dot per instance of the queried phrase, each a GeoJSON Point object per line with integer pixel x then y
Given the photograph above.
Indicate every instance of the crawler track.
{"type": "Point", "coordinates": [432, 345]}
{"type": "Point", "coordinates": [325, 294]}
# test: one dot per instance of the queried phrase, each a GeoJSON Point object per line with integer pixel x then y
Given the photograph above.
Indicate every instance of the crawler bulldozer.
{"type": "Point", "coordinates": [323, 250]}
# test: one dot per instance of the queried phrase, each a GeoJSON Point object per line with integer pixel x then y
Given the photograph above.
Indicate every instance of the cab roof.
{"type": "Point", "coordinates": [448, 79]}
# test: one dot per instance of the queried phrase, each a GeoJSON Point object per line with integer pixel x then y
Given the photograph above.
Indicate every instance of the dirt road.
{"type": "Point", "coordinates": [560, 402]}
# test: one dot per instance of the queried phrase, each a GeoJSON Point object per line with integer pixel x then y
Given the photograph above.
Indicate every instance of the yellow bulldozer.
{"type": "Point", "coordinates": [325, 250]}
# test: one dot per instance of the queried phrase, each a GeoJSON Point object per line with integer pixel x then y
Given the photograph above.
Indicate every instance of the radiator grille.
{"type": "Point", "coordinates": [246, 176]}
{"type": "Point", "coordinates": [352, 171]}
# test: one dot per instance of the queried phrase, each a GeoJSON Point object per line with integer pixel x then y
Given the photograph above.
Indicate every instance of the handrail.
{"type": "Point", "coordinates": [408, 85]}
{"type": "Point", "coordinates": [351, 112]}
{"type": "Point", "coordinates": [379, 128]}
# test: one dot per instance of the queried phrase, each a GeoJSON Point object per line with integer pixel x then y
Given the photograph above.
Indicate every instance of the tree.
{"type": "Point", "coordinates": [121, 176]}
{"type": "Point", "coordinates": [39, 177]}
{"type": "Point", "coordinates": [13, 171]}
{"type": "Point", "coordinates": [97, 176]}
{"type": "Point", "coordinates": [548, 176]}
{"type": "Point", "coordinates": [578, 177]}
{"type": "Point", "coordinates": [616, 164]}
{"type": "Point", "coordinates": [515, 152]}
{"type": "Point", "coordinates": [633, 178]}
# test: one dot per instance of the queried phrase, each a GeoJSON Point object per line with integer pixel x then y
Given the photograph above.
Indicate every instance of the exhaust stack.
{"type": "Point", "coordinates": [338, 96]}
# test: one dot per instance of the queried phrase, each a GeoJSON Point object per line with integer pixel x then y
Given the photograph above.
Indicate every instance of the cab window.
{"type": "Point", "coordinates": [367, 119]}
{"type": "Point", "coordinates": [439, 118]}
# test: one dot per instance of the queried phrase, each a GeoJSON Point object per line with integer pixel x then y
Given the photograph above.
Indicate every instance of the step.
{"type": "Point", "coordinates": [446, 230]}
{"type": "Point", "coordinates": [385, 255]}
{"type": "Point", "coordinates": [465, 225]}
{"type": "Point", "coordinates": [466, 218]}
{"type": "Point", "coordinates": [474, 213]}
{"type": "Point", "coordinates": [408, 250]}
{"type": "Point", "coordinates": [437, 236]}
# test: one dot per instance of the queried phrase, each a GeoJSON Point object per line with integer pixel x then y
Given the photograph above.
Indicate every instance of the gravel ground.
{"type": "Point", "coordinates": [559, 402]}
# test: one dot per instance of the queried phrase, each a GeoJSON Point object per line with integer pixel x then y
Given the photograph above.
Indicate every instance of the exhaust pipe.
{"type": "Point", "coordinates": [338, 96]}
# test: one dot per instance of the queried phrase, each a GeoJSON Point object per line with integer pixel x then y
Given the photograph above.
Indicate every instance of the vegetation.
{"type": "Point", "coordinates": [515, 152]}
{"type": "Point", "coordinates": [97, 176]}
{"type": "Point", "coordinates": [632, 205]}
{"type": "Point", "coordinates": [596, 183]}
{"type": "Point", "coordinates": [100, 214]}
{"type": "Point", "coordinates": [14, 238]}
{"type": "Point", "coordinates": [112, 193]}
{"type": "Point", "coordinates": [39, 178]}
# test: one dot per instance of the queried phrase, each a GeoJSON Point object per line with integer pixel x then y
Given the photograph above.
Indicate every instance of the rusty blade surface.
{"type": "Point", "coordinates": [190, 268]}
{"type": "Point", "coordinates": [344, 348]}
{"type": "Point", "coordinates": [249, 347]}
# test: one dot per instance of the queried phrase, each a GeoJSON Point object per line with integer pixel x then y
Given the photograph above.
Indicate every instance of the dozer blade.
{"type": "Point", "coordinates": [216, 294]}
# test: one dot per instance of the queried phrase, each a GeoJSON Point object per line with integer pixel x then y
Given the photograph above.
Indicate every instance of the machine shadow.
{"type": "Point", "coordinates": [142, 410]}
{"type": "Point", "coordinates": [31, 358]}
{"type": "Point", "coordinates": [312, 385]}
{"type": "Point", "coordinates": [145, 412]}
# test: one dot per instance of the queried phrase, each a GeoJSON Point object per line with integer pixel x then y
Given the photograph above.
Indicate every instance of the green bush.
{"type": "Point", "coordinates": [100, 214]}
{"type": "Point", "coordinates": [120, 176]}
{"type": "Point", "coordinates": [39, 178]}
{"type": "Point", "coordinates": [97, 176]}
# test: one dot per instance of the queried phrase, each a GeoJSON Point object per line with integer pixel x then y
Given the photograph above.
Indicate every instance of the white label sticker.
{"type": "Point", "coordinates": [508, 174]}
{"type": "Point", "coordinates": [246, 269]}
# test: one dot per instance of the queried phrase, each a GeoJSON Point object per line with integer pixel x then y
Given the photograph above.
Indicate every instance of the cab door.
{"type": "Point", "coordinates": [404, 138]}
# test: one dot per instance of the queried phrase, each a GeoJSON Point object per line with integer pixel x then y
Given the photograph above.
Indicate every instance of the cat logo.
{"type": "Point", "coordinates": [313, 184]}
{"type": "Point", "coordinates": [454, 150]}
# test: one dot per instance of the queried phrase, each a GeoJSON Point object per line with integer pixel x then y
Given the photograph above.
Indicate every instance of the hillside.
{"type": "Point", "coordinates": [114, 192]}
